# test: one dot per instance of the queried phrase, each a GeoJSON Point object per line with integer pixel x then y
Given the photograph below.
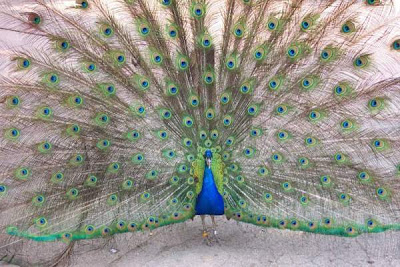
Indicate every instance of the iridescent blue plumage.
{"type": "Point", "coordinates": [209, 201]}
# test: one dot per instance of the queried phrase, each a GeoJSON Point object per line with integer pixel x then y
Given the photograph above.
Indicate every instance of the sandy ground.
{"type": "Point", "coordinates": [239, 245]}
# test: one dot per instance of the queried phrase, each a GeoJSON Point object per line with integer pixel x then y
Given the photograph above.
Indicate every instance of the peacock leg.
{"type": "Point", "coordinates": [203, 222]}
{"type": "Point", "coordinates": [214, 224]}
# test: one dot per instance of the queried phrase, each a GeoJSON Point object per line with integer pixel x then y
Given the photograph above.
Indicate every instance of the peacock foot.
{"type": "Point", "coordinates": [206, 238]}
{"type": "Point", "coordinates": [215, 237]}
{"type": "Point", "coordinates": [205, 234]}
{"type": "Point", "coordinates": [210, 237]}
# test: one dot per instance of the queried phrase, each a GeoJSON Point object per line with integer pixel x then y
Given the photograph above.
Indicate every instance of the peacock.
{"type": "Point", "coordinates": [124, 116]}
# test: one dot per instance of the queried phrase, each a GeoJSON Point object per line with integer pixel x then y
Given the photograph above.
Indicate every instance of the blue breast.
{"type": "Point", "coordinates": [209, 201]}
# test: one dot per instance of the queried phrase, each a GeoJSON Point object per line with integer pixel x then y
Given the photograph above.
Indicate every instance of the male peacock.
{"type": "Point", "coordinates": [130, 115]}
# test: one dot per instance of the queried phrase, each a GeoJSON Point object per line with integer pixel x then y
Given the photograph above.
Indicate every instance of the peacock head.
{"type": "Point", "coordinates": [208, 156]}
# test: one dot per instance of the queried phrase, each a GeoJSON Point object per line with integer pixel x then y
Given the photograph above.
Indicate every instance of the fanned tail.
{"type": "Point", "coordinates": [108, 108]}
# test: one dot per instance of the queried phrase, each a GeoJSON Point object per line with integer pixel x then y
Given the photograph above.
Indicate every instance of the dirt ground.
{"type": "Point", "coordinates": [238, 244]}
